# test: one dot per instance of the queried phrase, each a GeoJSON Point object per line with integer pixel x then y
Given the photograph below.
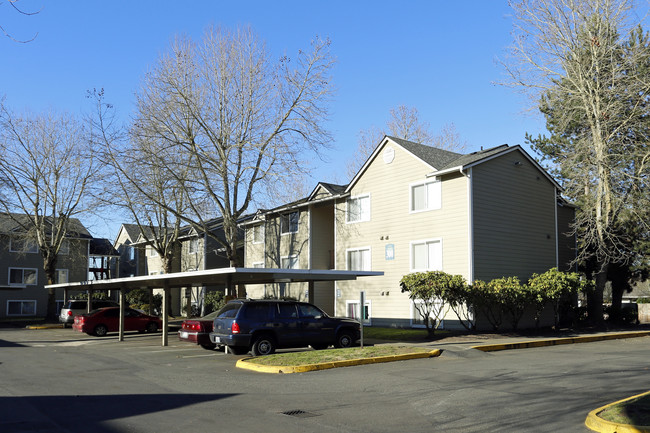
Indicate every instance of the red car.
{"type": "Point", "coordinates": [104, 320]}
{"type": "Point", "coordinates": [198, 331]}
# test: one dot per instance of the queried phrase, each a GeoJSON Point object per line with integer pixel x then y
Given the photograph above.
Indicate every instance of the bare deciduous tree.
{"type": "Point", "coordinates": [46, 170]}
{"type": "Point", "coordinates": [233, 122]}
{"type": "Point", "coordinates": [14, 5]}
{"type": "Point", "coordinates": [404, 122]}
{"type": "Point", "coordinates": [587, 70]}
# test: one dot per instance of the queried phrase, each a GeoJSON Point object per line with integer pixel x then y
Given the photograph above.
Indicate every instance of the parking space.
{"type": "Point", "coordinates": [62, 381]}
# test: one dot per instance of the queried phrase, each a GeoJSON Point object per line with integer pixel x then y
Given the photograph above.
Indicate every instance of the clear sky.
{"type": "Point", "coordinates": [438, 56]}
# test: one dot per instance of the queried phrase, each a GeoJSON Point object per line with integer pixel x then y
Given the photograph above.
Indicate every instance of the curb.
{"type": "Point", "coordinates": [244, 364]}
{"type": "Point", "coordinates": [594, 422]}
{"type": "Point", "coordinates": [559, 341]}
{"type": "Point", "coordinates": [52, 326]}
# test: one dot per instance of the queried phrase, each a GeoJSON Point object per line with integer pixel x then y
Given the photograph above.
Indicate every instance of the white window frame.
{"type": "Point", "coordinates": [193, 246]}
{"type": "Point", "coordinates": [33, 246]}
{"type": "Point", "coordinates": [431, 204]}
{"type": "Point", "coordinates": [22, 302]}
{"type": "Point", "coordinates": [293, 258]}
{"type": "Point", "coordinates": [152, 251]}
{"type": "Point", "coordinates": [260, 230]}
{"type": "Point", "coordinates": [351, 250]}
{"type": "Point", "coordinates": [288, 217]}
{"type": "Point", "coordinates": [368, 303]}
{"type": "Point", "coordinates": [65, 248]}
{"type": "Point", "coordinates": [258, 265]}
{"type": "Point", "coordinates": [60, 272]}
{"type": "Point", "coordinates": [364, 214]}
{"type": "Point", "coordinates": [437, 266]}
{"type": "Point", "coordinates": [23, 277]}
{"type": "Point", "coordinates": [130, 252]}
{"type": "Point", "coordinates": [415, 316]}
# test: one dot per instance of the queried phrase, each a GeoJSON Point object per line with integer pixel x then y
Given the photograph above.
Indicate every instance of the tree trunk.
{"type": "Point", "coordinates": [595, 298]}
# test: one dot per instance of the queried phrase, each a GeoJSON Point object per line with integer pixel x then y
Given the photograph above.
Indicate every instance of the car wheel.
{"type": "Point", "coordinates": [237, 350]}
{"type": "Point", "coordinates": [344, 339]}
{"type": "Point", "coordinates": [263, 345]}
{"type": "Point", "coordinates": [208, 346]}
{"type": "Point", "coordinates": [100, 330]}
{"type": "Point", "coordinates": [320, 346]}
{"type": "Point", "coordinates": [152, 327]}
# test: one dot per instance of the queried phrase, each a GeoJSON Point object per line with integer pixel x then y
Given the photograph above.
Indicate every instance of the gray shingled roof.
{"type": "Point", "coordinates": [473, 157]}
{"type": "Point", "coordinates": [433, 156]}
{"type": "Point", "coordinates": [11, 223]}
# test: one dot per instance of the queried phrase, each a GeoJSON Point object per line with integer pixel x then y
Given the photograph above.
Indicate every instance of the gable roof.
{"type": "Point", "coordinates": [12, 223]}
{"type": "Point", "coordinates": [433, 156]}
{"type": "Point", "coordinates": [331, 188]}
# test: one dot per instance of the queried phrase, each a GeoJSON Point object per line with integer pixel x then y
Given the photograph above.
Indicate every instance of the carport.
{"type": "Point", "coordinates": [229, 277]}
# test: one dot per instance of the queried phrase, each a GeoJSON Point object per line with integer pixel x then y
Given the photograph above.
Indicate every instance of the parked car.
{"type": "Point", "coordinates": [262, 326]}
{"type": "Point", "coordinates": [78, 306]}
{"type": "Point", "coordinates": [198, 331]}
{"type": "Point", "coordinates": [104, 320]}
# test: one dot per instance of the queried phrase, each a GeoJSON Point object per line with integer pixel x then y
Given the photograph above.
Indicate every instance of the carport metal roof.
{"type": "Point", "coordinates": [226, 276]}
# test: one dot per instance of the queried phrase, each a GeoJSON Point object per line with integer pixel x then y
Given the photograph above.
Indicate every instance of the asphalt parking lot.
{"type": "Point", "coordinates": [57, 380]}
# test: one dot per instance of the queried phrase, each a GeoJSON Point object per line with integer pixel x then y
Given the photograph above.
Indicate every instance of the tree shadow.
{"type": "Point", "coordinates": [5, 343]}
{"type": "Point", "coordinates": [89, 412]}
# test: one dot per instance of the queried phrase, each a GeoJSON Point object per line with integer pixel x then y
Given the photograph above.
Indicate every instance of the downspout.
{"type": "Point", "coordinates": [557, 246]}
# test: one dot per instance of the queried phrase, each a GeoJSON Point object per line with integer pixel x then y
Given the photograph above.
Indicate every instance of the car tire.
{"type": "Point", "coordinates": [237, 350]}
{"type": "Point", "coordinates": [209, 346]}
{"type": "Point", "coordinates": [152, 327]}
{"type": "Point", "coordinates": [100, 330]}
{"type": "Point", "coordinates": [344, 339]}
{"type": "Point", "coordinates": [263, 345]}
{"type": "Point", "coordinates": [319, 346]}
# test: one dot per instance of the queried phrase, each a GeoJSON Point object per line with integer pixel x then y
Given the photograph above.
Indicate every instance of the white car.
{"type": "Point", "coordinates": [79, 306]}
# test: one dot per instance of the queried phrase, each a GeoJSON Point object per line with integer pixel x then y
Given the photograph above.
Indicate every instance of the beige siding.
{"type": "Point", "coordinates": [392, 223]}
{"type": "Point", "coordinates": [514, 218]}
{"type": "Point", "coordinates": [566, 238]}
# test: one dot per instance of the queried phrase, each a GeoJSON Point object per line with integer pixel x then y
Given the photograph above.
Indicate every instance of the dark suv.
{"type": "Point", "coordinates": [262, 326]}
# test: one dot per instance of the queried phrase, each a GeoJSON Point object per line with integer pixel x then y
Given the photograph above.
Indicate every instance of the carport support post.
{"type": "Point", "coordinates": [165, 313]}
{"type": "Point", "coordinates": [122, 302]}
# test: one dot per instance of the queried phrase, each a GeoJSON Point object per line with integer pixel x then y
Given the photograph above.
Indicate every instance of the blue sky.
{"type": "Point", "coordinates": [436, 56]}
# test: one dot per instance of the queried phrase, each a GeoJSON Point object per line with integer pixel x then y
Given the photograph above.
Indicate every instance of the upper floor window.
{"type": "Point", "coordinates": [426, 196]}
{"type": "Point", "coordinates": [258, 264]}
{"type": "Point", "coordinates": [22, 245]}
{"type": "Point", "coordinates": [193, 246]}
{"type": "Point", "coordinates": [258, 233]}
{"type": "Point", "coordinates": [130, 252]}
{"type": "Point", "coordinates": [152, 252]}
{"type": "Point", "coordinates": [23, 276]}
{"type": "Point", "coordinates": [358, 209]}
{"type": "Point", "coordinates": [289, 222]}
{"type": "Point", "coordinates": [426, 255]}
{"type": "Point", "coordinates": [65, 248]}
{"type": "Point", "coordinates": [290, 262]}
{"type": "Point", "coordinates": [358, 259]}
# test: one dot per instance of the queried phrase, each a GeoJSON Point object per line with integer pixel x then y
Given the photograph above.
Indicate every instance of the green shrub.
{"type": "Point", "coordinates": [214, 301]}
{"type": "Point", "coordinates": [643, 301]}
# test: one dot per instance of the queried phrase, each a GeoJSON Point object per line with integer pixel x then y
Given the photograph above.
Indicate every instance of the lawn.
{"type": "Point", "coordinates": [307, 357]}
{"type": "Point", "coordinates": [634, 412]}
{"type": "Point", "coordinates": [399, 334]}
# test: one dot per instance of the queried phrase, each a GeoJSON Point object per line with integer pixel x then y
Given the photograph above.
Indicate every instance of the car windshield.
{"type": "Point", "coordinates": [229, 310]}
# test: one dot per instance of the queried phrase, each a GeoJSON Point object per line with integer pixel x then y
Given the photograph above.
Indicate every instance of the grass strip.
{"type": "Point", "coordinates": [634, 412]}
{"type": "Point", "coordinates": [292, 359]}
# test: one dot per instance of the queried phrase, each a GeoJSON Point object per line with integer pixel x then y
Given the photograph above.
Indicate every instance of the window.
{"type": "Point", "coordinates": [359, 259]}
{"type": "Point", "coordinates": [258, 233]}
{"type": "Point", "coordinates": [426, 255]}
{"type": "Point", "coordinates": [61, 276]}
{"type": "Point", "coordinates": [416, 318]}
{"type": "Point", "coordinates": [258, 264]}
{"type": "Point", "coordinates": [65, 248]}
{"type": "Point", "coordinates": [152, 252]}
{"type": "Point", "coordinates": [289, 223]}
{"type": "Point", "coordinates": [426, 196]}
{"type": "Point", "coordinates": [20, 276]}
{"type": "Point", "coordinates": [130, 252]}
{"type": "Point", "coordinates": [353, 312]}
{"type": "Point", "coordinates": [22, 245]}
{"type": "Point", "coordinates": [358, 209]}
{"type": "Point", "coordinates": [21, 308]}
{"type": "Point", "coordinates": [194, 246]}
{"type": "Point", "coordinates": [289, 262]}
